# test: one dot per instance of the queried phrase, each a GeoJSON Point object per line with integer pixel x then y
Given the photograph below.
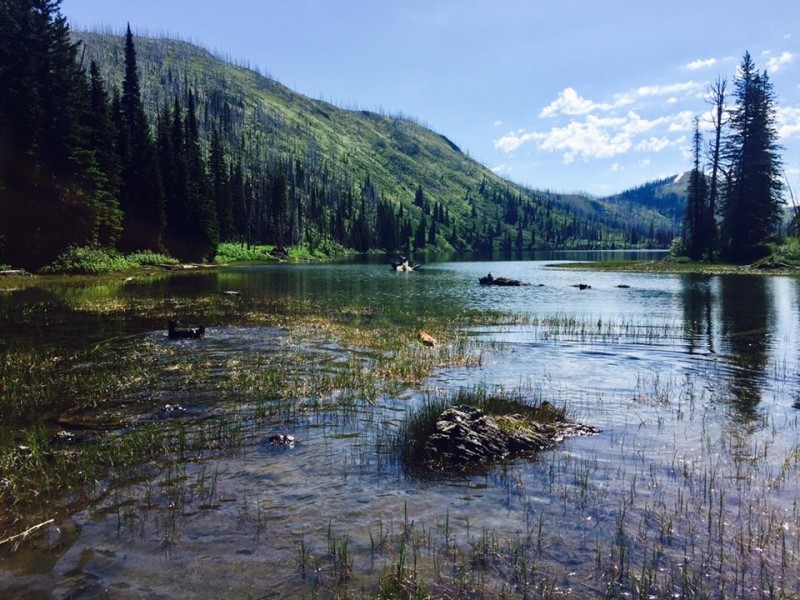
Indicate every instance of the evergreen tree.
{"type": "Point", "coordinates": [203, 233]}
{"type": "Point", "coordinates": [697, 224]}
{"type": "Point", "coordinates": [752, 203]}
{"type": "Point", "coordinates": [220, 188]}
{"type": "Point", "coordinates": [102, 137]}
{"type": "Point", "coordinates": [142, 196]}
{"type": "Point", "coordinates": [51, 188]}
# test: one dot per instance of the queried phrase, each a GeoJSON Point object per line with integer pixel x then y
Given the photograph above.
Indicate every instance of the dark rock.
{"type": "Point", "coordinates": [501, 281]}
{"type": "Point", "coordinates": [582, 286]}
{"type": "Point", "coordinates": [175, 333]}
{"type": "Point", "coordinates": [466, 435]}
{"type": "Point", "coordinates": [281, 439]}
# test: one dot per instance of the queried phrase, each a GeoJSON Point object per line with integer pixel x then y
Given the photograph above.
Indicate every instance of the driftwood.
{"type": "Point", "coordinates": [426, 338]}
{"type": "Point", "coordinates": [176, 333]}
{"type": "Point", "coordinates": [26, 533]}
{"type": "Point", "coordinates": [404, 266]}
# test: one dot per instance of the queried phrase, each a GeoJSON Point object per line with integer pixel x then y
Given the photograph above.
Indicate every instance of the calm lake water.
{"type": "Point", "coordinates": [692, 483]}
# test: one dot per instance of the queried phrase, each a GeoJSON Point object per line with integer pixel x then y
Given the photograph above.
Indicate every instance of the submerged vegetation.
{"type": "Point", "coordinates": [154, 436]}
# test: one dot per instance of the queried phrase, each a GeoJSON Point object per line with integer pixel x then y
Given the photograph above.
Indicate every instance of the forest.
{"type": "Point", "coordinates": [175, 154]}
{"type": "Point", "coordinates": [735, 194]}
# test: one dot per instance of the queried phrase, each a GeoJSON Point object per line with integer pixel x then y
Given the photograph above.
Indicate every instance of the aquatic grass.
{"type": "Point", "coordinates": [409, 441]}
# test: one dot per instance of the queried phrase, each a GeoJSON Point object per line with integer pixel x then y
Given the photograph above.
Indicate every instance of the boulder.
{"type": "Point", "coordinates": [466, 435]}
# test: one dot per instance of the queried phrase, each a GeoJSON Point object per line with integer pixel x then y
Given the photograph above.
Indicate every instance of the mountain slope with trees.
{"type": "Point", "coordinates": [156, 144]}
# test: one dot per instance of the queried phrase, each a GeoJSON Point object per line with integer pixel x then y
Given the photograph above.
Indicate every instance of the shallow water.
{"type": "Point", "coordinates": [690, 488]}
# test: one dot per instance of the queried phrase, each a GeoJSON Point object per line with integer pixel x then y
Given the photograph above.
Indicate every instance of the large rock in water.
{"type": "Point", "coordinates": [466, 435]}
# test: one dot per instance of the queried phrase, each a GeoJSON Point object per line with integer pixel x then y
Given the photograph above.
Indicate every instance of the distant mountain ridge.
{"type": "Point", "coordinates": [667, 196]}
{"type": "Point", "coordinates": [465, 205]}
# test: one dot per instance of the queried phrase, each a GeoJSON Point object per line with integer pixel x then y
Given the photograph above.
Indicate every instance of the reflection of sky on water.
{"type": "Point", "coordinates": [711, 392]}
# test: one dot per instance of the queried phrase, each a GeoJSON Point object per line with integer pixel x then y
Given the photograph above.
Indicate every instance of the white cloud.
{"type": "Point", "coordinates": [569, 102]}
{"type": "Point", "coordinates": [788, 122]}
{"type": "Point", "coordinates": [617, 168]}
{"type": "Point", "coordinates": [700, 63]}
{"type": "Point", "coordinates": [497, 123]}
{"type": "Point", "coordinates": [601, 137]}
{"type": "Point", "coordinates": [643, 164]}
{"type": "Point", "coordinates": [683, 121]}
{"type": "Point", "coordinates": [776, 63]}
{"type": "Point", "coordinates": [511, 141]}
{"type": "Point", "coordinates": [653, 144]}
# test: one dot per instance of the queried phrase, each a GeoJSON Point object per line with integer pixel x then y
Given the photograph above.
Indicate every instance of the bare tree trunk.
{"type": "Point", "coordinates": [719, 118]}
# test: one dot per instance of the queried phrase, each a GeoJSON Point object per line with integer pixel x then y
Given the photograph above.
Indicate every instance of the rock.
{"type": "Point", "coordinates": [623, 286]}
{"type": "Point", "coordinates": [465, 436]}
{"type": "Point", "coordinates": [281, 439]}
{"type": "Point", "coordinates": [501, 281]}
{"type": "Point", "coordinates": [176, 333]}
{"type": "Point", "coordinates": [582, 286]}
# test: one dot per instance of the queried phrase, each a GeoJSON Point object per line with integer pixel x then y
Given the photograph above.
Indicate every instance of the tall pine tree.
{"type": "Point", "coordinates": [698, 224]}
{"type": "Point", "coordinates": [752, 203]}
{"type": "Point", "coordinates": [142, 196]}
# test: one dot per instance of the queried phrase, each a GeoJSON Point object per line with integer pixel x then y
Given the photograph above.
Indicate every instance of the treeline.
{"type": "Point", "coordinates": [735, 187]}
{"type": "Point", "coordinates": [179, 154]}
{"type": "Point", "coordinates": [82, 167]}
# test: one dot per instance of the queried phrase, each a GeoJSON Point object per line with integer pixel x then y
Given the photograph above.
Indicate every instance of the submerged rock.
{"type": "Point", "coordinates": [501, 281]}
{"type": "Point", "coordinates": [466, 435]}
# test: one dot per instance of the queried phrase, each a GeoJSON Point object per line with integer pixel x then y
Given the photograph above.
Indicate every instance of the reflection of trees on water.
{"type": "Point", "coordinates": [744, 305]}
{"type": "Point", "coordinates": [697, 312]}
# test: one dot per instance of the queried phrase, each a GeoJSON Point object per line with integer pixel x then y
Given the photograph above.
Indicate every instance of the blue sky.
{"type": "Point", "coordinates": [564, 95]}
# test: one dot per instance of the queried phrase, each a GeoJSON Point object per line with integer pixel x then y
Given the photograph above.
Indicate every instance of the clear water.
{"type": "Point", "coordinates": [693, 381]}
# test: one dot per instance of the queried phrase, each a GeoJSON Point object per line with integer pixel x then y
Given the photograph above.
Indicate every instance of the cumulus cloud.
{"type": "Point", "coordinates": [570, 102]}
{"type": "Point", "coordinates": [511, 141]}
{"type": "Point", "coordinates": [788, 122]}
{"type": "Point", "coordinates": [654, 144]}
{"type": "Point", "coordinates": [588, 129]}
{"type": "Point", "coordinates": [701, 63]}
{"type": "Point", "coordinates": [776, 63]}
{"type": "Point", "coordinates": [599, 137]}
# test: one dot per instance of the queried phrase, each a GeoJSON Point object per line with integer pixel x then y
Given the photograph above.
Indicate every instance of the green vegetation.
{"type": "Point", "coordinates": [735, 217]}
{"type": "Point", "coordinates": [160, 146]}
{"type": "Point", "coordinates": [240, 253]}
{"type": "Point", "coordinates": [421, 423]}
{"type": "Point", "coordinates": [88, 261]}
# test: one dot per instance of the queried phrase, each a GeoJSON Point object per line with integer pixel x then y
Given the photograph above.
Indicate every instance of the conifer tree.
{"type": "Point", "coordinates": [141, 196]}
{"type": "Point", "coordinates": [696, 227]}
{"type": "Point", "coordinates": [751, 207]}
{"type": "Point", "coordinates": [51, 188]}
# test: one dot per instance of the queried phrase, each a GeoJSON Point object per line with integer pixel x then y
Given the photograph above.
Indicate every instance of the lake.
{"type": "Point", "coordinates": [690, 488]}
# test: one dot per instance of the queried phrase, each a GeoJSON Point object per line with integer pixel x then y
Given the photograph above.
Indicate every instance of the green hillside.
{"type": "Point", "coordinates": [464, 205]}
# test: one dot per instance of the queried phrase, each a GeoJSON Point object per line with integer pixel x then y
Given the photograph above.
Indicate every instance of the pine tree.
{"type": "Point", "coordinates": [220, 188]}
{"type": "Point", "coordinates": [752, 203]}
{"type": "Point", "coordinates": [142, 196]}
{"type": "Point", "coordinates": [51, 187]}
{"type": "Point", "coordinates": [696, 230]}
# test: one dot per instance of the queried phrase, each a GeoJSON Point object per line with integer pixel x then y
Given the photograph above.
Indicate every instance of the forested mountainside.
{"type": "Point", "coordinates": [308, 172]}
{"type": "Point", "coordinates": [140, 144]}
{"type": "Point", "coordinates": [667, 196]}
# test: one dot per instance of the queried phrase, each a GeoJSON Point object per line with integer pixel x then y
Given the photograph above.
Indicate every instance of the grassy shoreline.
{"type": "Point", "coordinates": [668, 267]}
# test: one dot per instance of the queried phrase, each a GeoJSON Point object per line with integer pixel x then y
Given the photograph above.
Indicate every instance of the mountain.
{"type": "Point", "coordinates": [345, 174]}
{"type": "Point", "coordinates": [666, 196]}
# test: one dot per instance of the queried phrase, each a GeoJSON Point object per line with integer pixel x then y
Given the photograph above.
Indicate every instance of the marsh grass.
{"type": "Point", "coordinates": [409, 442]}
{"type": "Point", "coordinates": [710, 521]}
{"type": "Point", "coordinates": [328, 365]}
